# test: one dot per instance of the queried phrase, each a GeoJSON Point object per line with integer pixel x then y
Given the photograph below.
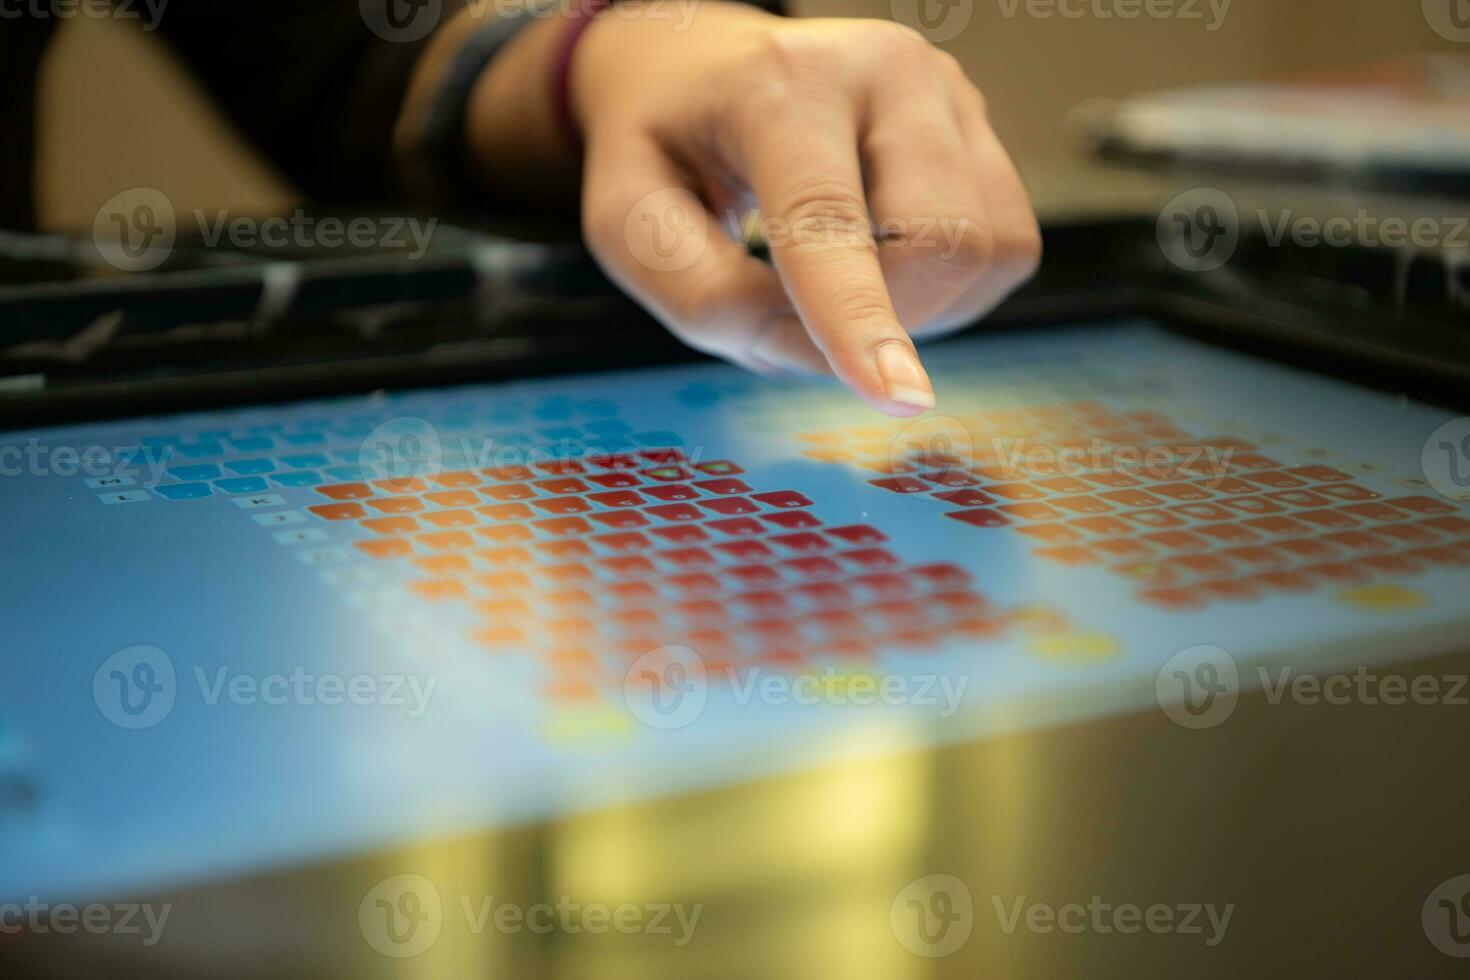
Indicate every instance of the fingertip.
{"type": "Point", "coordinates": [907, 391]}
{"type": "Point", "coordinates": [907, 409]}
{"type": "Point", "coordinates": [900, 404]}
{"type": "Point", "coordinates": [899, 409]}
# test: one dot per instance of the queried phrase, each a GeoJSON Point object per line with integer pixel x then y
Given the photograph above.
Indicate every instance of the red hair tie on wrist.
{"type": "Point", "coordinates": [582, 16]}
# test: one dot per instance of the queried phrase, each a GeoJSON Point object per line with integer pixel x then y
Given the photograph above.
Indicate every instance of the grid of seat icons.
{"type": "Point", "coordinates": [588, 561]}
{"type": "Point", "coordinates": [1209, 520]}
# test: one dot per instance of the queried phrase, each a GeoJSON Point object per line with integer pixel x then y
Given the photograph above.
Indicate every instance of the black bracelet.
{"type": "Point", "coordinates": [442, 143]}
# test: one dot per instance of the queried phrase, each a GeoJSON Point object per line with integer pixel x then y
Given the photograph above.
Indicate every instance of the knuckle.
{"type": "Point", "coordinates": [1018, 249]}
{"type": "Point", "coordinates": [973, 245]}
{"type": "Point", "coordinates": [602, 225]}
{"type": "Point", "coordinates": [820, 210]}
{"type": "Point", "coordinates": [916, 139]}
{"type": "Point", "coordinates": [860, 304]}
{"type": "Point", "coordinates": [796, 52]}
{"type": "Point", "coordinates": [689, 318]}
{"type": "Point", "coordinates": [982, 104]}
{"type": "Point", "coordinates": [966, 251]}
{"type": "Point", "coordinates": [788, 67]}
{"type": "Point", "coordinates": [951, 66]}
{"type": "Point", "coordinates": [706, 297]}
{"type": "Point", "coordinates": [705, 343]}
{"type": "Point", "coordinates": [891, 36]}
{"type": "Point", "coordinates": [765, 95]}
{"type": "Point", "coordinates": [944, 255]}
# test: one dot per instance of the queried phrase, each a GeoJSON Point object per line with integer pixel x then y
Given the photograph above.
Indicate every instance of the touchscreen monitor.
{"type": "Point", "coordinates": [241, 639]}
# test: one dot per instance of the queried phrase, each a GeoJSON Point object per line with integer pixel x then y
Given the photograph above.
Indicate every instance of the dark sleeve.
{"type": "Point", "coordinates": [311, 82]}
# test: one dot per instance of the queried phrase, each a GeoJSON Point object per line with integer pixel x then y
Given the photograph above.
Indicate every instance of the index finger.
{"type": "Point", "coordinates": [806, 174]}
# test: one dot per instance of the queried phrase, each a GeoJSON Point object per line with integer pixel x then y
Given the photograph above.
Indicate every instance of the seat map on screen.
{"type": "Point", "coordinates": [272, 634]}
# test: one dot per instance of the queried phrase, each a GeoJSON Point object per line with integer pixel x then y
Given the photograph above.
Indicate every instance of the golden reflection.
{"type": "Point", "coordinates": [911, 866]}
{"type": "Point", "coordinates": [793, 872]}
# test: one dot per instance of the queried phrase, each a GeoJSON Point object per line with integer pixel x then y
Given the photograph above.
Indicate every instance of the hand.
{"type": "Point", "coordinates": [891, 209]}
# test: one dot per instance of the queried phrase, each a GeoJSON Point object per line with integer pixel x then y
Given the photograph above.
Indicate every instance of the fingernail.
{"type": "Point", "coordinates": [904, 380]}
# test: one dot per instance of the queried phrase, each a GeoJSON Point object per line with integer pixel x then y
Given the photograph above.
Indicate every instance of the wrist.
{"type": "Point", "coordinates": [561, 79]}
{"type": "Point", "coordinates": [425, 84]}
{"type": "Point", "coordinates": [512, 133]}
{"type": "Point", "coordinates": [471, 126]}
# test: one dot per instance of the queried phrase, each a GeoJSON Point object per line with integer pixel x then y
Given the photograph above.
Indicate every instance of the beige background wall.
{"type": "Point", "coordinates": [118, 113]}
